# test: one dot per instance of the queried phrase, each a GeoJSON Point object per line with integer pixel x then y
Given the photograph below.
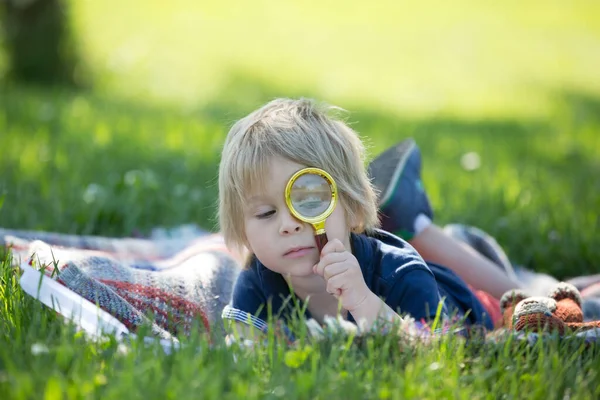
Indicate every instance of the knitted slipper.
{"type": "Point", "coordinates": [568, 303]}
{"type": "Point", "coordinates": [569, 308]}
{"type": "Point", "coordinates": [535, 314]}
{"type": "Point", "coordinates": [508, 302]}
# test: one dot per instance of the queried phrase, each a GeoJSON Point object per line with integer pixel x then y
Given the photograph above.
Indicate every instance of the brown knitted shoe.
{"type": "Point", "coordinates": [568, 308]}
{"type": "Point", "coordinates": [534, 314]}
{"type": "Point", "coordinates": [568, 303]}
{"type": "Point", "coordinates": [508, 302]}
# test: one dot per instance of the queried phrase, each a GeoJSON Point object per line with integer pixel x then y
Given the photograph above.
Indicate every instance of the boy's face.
{"type": "Point", "coordinates": [281, 242]}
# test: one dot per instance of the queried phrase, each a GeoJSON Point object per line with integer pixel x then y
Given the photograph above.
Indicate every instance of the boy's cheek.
{"type": "Point", "coordinates": [246, 242]}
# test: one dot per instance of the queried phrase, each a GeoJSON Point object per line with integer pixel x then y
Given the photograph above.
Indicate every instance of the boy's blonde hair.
{"type": "Point", "coordinates": [305, 133]}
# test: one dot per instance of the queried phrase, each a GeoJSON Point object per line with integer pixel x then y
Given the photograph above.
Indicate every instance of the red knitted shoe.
{"type": "Point", "coordinates": [568, 303]}
{"type": "Point", "coordinates": [568, 308]}
{"type": "Point", "coordinates": [508, 302]}
{"type": "Point", "coordinates": [535, 315]}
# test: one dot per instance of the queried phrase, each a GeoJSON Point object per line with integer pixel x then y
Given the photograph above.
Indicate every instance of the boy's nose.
{"type": "Point", "coordinates": [289, 224]}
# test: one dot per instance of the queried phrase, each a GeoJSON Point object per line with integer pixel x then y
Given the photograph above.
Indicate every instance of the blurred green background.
{"type": "Point", "coordinates": [502, 98]}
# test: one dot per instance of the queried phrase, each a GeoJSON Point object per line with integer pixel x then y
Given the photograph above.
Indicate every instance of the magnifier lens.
{"type": "Point", "coordinates": [311, 195]}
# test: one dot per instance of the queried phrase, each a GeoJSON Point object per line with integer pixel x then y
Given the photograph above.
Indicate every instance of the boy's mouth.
{"type": "Point", "coordinates": [300, 251]}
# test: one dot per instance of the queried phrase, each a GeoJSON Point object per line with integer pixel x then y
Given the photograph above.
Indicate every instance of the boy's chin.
{"type": "Point", "coordinates": [300, 271]}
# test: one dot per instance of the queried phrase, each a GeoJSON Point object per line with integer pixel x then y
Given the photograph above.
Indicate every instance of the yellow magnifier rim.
{"type": "Point", "coordinates": [317, 221]}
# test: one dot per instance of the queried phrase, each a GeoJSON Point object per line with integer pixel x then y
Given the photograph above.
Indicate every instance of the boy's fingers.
{"type": "Point", "coordinates": [331, 258]}
{"type": "Point", "coordinates": [334, 269]}
{"type": "Point", "coordinates": [335, 284]}
{"type": "Point", "coordinates": [333, 246]}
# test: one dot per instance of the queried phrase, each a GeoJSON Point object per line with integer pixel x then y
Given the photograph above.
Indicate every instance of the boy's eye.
{"type": "Point", "coordinates": [265, 214]}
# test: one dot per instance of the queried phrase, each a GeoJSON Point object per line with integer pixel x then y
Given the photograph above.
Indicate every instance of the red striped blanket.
{"type": "Point", "coordinates": [171, 284]}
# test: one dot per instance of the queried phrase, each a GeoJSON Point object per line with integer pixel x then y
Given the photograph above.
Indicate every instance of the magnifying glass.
{"type": "Point", "coordinates": [311, 196]}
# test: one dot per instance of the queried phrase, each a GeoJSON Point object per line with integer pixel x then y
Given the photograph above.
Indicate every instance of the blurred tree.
{"type": "Point", "coordinates": [39, 42]}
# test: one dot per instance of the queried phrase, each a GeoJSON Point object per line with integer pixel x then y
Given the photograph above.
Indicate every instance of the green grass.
{"type": "Point", "coordinates": [467, 57]}
{"type": "Point", "coordinates": [536, 191]}
{"type": "Point", "coordinates": [41, 358]}
{"type": "Point", "coordinates": [86, 164]}
{"type": "Point", "coordinates": [517, 85]}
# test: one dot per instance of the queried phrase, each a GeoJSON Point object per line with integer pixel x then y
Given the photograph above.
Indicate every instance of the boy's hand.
{"type": "Point", "coordinates": [343, 275]}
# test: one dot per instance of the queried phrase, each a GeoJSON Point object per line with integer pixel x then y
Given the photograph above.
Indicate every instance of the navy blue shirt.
{"type": "Point", "coordinates": [392, 269]}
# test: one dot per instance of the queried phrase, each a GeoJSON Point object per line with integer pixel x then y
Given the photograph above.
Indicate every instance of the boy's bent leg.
{"type": "Point", "coordinates": [437, 246]}
{"type": "Point", "coordinates": [404, 207]}
{"type": "Point", "coordinates": [485, 244]}
{"type": "Point", "coordinates": [405, 210]}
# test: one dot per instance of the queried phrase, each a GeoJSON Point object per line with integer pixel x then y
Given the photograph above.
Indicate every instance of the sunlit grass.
{"type": "Point", "coordinates": [41, 357]}
{"type": "Point", "coordinates": [468, 58]}
{"type": "Point", "coordinates": [86, 164]}
{"type": "Point", "coordinates": [512, 85]}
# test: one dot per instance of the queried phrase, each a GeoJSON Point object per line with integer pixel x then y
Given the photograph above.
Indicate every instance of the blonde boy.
{"type": "Point", "coordinates": [370, 273]}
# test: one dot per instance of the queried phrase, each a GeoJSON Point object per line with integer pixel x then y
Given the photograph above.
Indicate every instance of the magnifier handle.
{"type": "Point", "coordinates": [321, 240]}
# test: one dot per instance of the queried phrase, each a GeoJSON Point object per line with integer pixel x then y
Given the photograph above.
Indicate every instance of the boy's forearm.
{"type": "Point", "coordinates": [436, 246]}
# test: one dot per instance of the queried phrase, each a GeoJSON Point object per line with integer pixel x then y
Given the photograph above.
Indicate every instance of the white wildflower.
{"type": "Point", "coordinates": [39, 348]}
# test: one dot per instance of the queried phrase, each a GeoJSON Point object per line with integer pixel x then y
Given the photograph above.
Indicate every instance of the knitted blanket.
{"type": "Point", "coordinates": [173, 284]}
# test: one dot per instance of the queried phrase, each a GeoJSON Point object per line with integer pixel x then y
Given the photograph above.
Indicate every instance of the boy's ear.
{"type": "Point", "coordinates": [356, 222]}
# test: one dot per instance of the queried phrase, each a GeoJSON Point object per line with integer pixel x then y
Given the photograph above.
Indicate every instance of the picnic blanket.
{"type": "Point", "coordinates": [182, 278]}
